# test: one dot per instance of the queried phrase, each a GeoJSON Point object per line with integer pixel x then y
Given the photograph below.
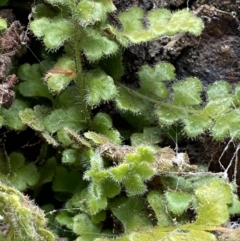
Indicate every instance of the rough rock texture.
{"type": "Point", "coordinates": [215, 54]}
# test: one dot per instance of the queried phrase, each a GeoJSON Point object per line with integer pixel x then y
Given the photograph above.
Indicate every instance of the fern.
{"type": "Point", "coordinates": [99, 174]}
{"type": "Point", "coordinates": [26, 221]}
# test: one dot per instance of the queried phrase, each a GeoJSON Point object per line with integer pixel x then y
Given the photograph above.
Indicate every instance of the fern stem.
{"type": "Point", "coordinates": [10, 234]}
{"type": "Point", "coordinates": [154, 101]}
{"type": "Point", "coordinates": [80, 81]}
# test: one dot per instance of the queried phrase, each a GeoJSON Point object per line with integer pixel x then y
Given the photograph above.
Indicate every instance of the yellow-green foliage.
{"type": "Point", "coordinates": [23, 219]}
{"type": "Point", "coordinates": [210, 201]}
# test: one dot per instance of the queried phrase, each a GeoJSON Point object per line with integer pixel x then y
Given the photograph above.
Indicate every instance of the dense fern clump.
{"type": "Point", "coordinates": [153, 192]}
